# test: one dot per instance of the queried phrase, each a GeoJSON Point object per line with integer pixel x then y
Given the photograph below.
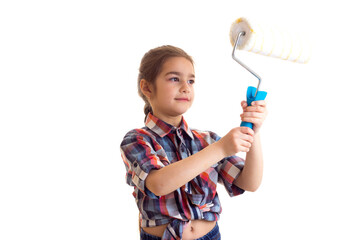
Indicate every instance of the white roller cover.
{"type": "Point", "coordinates": [270, 41]}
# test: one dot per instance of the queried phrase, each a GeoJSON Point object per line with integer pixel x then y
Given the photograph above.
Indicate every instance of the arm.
{"type": "Point", "coordinates": [175, 175]}
{"type": "Point", "coordinates": [251, 176]}
{"type": "Point", "coordinates": [169, 178]}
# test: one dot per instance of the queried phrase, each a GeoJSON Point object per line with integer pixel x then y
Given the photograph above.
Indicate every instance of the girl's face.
{"type": "Point", "coordinates": [174, 92]}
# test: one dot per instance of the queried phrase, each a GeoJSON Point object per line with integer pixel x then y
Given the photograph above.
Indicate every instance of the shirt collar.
{"type": "Point", "coordinates": [162, 128]}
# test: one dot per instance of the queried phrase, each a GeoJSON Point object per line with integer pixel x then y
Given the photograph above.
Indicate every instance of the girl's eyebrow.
{"type": "Point", "coordinates": [191, 75]}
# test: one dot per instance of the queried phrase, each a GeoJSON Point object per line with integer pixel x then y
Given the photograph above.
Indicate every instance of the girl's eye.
{"type": "Point", "coordinates": [174, 79]}
{"type": "Point", "coordinates": [191, 82]}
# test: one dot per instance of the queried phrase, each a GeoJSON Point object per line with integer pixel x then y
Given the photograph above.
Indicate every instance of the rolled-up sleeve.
{"type": "Point", "coordinates": [229, 169]}
{"type": "Point", "coordinates": [139, 158]}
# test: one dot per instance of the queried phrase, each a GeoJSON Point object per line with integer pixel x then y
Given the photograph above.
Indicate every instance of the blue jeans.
{"type": "Point", "coordinates": [214, 234]}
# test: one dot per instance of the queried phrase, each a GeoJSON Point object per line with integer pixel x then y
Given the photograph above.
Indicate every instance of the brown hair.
{"type": "Point", "coordinates": [151, 65]}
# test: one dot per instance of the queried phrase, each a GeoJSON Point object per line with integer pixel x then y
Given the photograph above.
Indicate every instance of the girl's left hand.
{"type": "Point", "coordinates": [255, 114]}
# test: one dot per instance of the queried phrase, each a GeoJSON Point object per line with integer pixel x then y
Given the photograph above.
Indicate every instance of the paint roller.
{"type": "Point", "coordinates": [268, 41]}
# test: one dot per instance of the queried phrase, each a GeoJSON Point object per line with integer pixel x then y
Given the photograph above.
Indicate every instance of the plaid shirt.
{"type": "Point", "coordinates": [159, 144]}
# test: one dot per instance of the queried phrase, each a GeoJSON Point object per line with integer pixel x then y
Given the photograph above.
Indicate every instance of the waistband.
{"type": "Point", "coordinates": [214, 234]}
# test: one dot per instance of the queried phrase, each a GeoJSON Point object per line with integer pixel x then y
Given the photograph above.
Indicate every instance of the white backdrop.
{"type": "Point", "coordinates": [68, 95]}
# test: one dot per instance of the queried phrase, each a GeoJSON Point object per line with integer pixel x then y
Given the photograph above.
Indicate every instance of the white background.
{"type": "Point", "coordinates": [68, 95]}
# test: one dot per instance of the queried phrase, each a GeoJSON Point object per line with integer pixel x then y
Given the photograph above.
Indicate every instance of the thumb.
{"type": "Point", "coordinates": [243, 104]}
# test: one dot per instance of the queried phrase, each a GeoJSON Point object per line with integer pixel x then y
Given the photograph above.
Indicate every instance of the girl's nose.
{"type": "Point", "coordinates": [185, 87]}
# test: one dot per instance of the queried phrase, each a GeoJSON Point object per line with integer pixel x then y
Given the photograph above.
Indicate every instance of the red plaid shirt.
{"type": "Point", "coordinates": [159, 144]}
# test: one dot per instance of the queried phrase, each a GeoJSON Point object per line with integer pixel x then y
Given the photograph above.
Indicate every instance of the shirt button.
{"type": "Point", "coordinates": [135, 164]}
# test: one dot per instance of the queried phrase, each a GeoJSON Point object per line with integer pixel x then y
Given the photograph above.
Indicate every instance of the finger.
{"type": "Point", "coordinates": [259, 103]}
{"type": "Point", "coordinates": [259, 115]}
{"type": "Point", "coordinates": [247, 130]}
{"type": "Point", "coordinates": [244, 146]}
{"type": "Point", "coordinates": [244, 104]}
{"type": "Point", "coordinates": [248, 137]}
{"type": "Point", "coordinates": [255, 115]}
{"type": "Point", "coordinates": [256, 108]}
{"type": "Point", "coordinates": [255, 121]}
{"type": "Point", "coordinates": [244, 149]}
{"type": "Point", "coordinates": [245, 143]}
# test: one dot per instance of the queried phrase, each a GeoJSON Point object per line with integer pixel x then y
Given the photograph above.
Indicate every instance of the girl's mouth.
{"type": "Point", "coordinates": [182, 99]}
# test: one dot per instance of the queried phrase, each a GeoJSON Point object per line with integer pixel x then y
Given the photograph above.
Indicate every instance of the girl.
{"type": "Point", "coordinates": [174, 169]}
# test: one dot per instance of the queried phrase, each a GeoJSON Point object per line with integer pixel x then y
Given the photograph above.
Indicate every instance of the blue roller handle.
{"type": "Point", "coordinates": [261, 95]}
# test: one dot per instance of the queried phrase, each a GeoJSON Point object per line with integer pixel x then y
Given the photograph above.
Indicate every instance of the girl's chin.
{"type": "Point", "coordinates": [179, 112]}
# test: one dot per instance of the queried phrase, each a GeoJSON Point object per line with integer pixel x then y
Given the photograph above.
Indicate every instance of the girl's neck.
{"type": "Point", "coordinates": [172, 120]}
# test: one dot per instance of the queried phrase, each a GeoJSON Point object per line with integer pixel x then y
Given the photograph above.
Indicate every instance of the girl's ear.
{"type": "Point", "coordinates": [146, 88]}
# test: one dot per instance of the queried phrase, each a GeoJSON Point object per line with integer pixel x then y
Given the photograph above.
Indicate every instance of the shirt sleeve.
{"type": "Point", "coordinates": [140, 158]}
{"type": "Point", "coordinates": [228, 170]}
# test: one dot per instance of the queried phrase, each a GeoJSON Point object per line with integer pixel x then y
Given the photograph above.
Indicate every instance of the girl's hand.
{"type": "Point", "coordinates": [237, 140]}
{"type": "Point", "coordinates": [255, 114]}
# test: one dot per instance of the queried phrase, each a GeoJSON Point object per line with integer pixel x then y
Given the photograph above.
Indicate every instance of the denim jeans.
{"type": "Point", "coordinates": [214, 234]}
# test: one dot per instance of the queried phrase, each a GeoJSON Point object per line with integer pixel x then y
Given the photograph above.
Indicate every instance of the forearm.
{"type": "Point", "coordinates": [251, 176]}
{"type": "Point", "coordinates": [175, 175]}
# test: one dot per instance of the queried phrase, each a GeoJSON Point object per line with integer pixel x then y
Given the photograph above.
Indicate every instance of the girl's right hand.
{"type": "Point", "coordinates": [239, 139]}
